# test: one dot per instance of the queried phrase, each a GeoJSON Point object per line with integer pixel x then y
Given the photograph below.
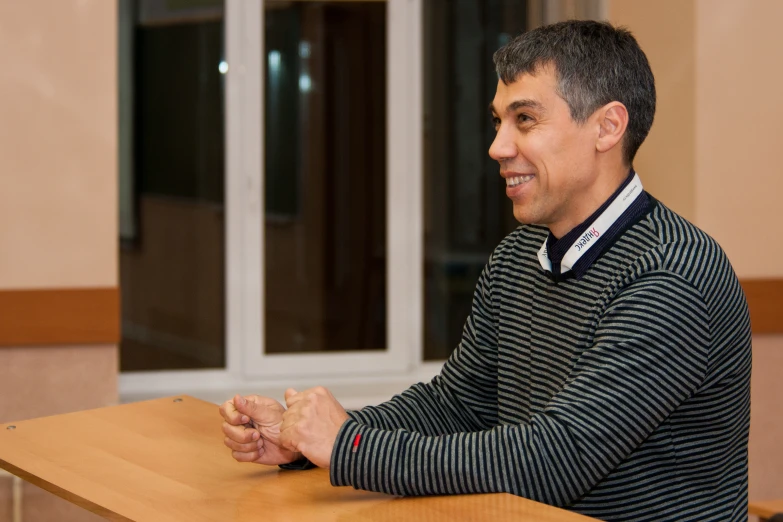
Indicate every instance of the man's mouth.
{"type": "Point", "coordinates": [518, 180]}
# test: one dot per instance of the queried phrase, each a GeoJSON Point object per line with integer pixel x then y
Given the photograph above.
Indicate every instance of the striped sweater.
{"type": "Point", "coordinates": [623, 394]}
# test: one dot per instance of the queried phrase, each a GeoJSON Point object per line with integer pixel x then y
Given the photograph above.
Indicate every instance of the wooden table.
{"type": "Point", "coordinates": [165, 460]}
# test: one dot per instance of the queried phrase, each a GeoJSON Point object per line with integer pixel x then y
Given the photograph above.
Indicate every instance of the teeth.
{"type": "Point", "coordinates": [513, 182]}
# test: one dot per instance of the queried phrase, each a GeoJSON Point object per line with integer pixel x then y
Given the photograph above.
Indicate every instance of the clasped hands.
{"type": "Point", "coordinates": [260, 430]}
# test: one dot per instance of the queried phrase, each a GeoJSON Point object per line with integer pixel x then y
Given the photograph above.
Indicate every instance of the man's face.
{"type": "Point", "coordinates": [547, 159]}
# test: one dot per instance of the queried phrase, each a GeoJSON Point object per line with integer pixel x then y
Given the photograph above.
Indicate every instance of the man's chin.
{"type": "Point", "coordinates": [525, 218]}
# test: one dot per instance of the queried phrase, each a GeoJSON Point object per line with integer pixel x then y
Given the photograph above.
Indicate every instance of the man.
{"type": "Point", "coordinates": [605, 365]}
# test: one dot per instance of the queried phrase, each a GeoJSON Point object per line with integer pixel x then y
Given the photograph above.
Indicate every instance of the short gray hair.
{"type": "Point", "coordinates": [595, 63]}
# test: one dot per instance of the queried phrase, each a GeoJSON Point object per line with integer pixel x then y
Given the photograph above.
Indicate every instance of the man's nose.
{"type": "Point", "coordinates": [503, 146]}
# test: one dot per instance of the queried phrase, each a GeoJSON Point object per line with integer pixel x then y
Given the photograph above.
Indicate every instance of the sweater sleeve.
{"type": "Point", "coordinates": [649, 354]}
{"type": "Point", "coordinates": [463, 397]}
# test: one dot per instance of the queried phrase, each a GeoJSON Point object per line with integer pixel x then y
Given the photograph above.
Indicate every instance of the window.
{"type": "Point", "coordinates": [357, 202]}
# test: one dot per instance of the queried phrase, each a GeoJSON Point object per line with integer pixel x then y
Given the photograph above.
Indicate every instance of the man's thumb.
{"type": "Point", "coordinates": [243, 405]}
{"type": "Point", "coordinates": [290, 392]}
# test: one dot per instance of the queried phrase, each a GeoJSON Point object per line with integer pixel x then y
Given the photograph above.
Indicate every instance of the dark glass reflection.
{"type": "Point", "coordinates": [466, 209]}
{"type": "Point", "coordinates": [325, 176]}
{"type": "Point", "coordinates": [172, 264]}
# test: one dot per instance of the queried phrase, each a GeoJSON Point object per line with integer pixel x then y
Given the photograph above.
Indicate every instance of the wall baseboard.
{"type": "Point", "coordinates": [765, 301]}
{"type": "Point", "coordinates": [53, 317]}
{"type": "Point", "coordinates": [63, 316]}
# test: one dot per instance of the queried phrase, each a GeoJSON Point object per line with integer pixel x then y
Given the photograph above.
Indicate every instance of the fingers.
{"type": "Point", "coordinates": [291, 435]}
{"type": "Point", "coordinates": [243, 448]}
{"type": "Point", "coordinates": [302, 405]}
{"type": "Point", "coordinates": [264, 411]}
{"type": "Point", "coordinates": [247, 457]}
{"type": "Point", "coordinates": [230, 414]}
{"type": "Point", "coordinates": [243, 407]}
{"type": "Point", "coordinates": [292, 397]}
{"type": "Point", "coordinates": [290, 418]}
{"type": "Point", "coordinates": [240, 434]}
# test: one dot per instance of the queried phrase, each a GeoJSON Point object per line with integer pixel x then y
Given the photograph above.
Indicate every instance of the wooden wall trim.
{"type": "Point", "coordinates": [59, 317]}
{"type": "Point", "coordinates": [765, 300]}
{"type": "Point", "coordinates": [92, 315]}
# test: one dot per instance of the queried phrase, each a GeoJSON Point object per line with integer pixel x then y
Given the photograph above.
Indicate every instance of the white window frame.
{"type": "Point", "coordinates": [357, 378]}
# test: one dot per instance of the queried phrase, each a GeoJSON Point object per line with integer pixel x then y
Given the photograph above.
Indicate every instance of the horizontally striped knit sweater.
{"type": "Point", "coordinates": [622, 395]}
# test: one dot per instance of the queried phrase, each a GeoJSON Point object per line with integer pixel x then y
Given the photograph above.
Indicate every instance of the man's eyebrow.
{"type": "Point", "coordinates": [520, 104]}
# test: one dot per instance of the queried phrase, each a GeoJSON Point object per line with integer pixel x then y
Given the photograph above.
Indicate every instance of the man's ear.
{"type": "Point", "coordinates": [612, 121]}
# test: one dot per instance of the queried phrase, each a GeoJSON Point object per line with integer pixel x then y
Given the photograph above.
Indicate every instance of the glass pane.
{"type": "Point", "coordinates": [325, 176]}
{"type": "Point", "coordinates": [466, 209]}
{"type": "Point", "coordinates": [172, 256]}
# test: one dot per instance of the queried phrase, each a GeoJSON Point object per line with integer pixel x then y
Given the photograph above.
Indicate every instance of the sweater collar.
{"type": "Point", "coordinates": [573, 253]}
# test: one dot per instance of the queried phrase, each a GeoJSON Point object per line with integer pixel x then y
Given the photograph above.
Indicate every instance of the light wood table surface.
{"type": "Point", "coordinates": [164, 460]}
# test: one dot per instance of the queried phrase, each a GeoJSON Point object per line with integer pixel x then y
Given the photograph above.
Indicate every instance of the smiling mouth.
{"type": "Point", "coordinates": [518, 180]}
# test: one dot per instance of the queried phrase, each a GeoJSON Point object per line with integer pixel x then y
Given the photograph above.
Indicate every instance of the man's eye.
{"type": "Point", "coordinates": [496, 122]}
{"type": "Point", "coordinates": [523, 118]}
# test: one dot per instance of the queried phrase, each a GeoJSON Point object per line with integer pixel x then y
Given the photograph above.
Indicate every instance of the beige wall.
{"type": "Point", "coordinates": [58, 170]}
{"type": "Point", "coordinates": [739, 114]}
{"type": "Point", "coordinates": [712, 151]}
{"type": "Point", "coordinates": [58, 143]}
{"type": "Point", "coordinates": [712, 155]}
{"type": "Point", "coordinates": [666, 160]}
